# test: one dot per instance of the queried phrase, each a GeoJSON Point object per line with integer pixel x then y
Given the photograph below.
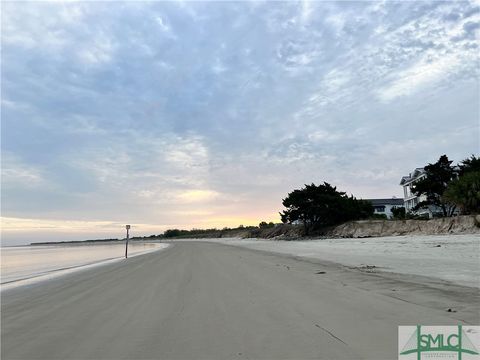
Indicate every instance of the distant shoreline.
{"type": "Point", "coordinates": [91, 241]}
{"type": "Point", "coordinates": [73, 242]}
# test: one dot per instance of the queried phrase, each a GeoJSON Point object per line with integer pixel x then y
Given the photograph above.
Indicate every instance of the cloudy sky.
{"type": "Point", "coordinates": [192, 114]}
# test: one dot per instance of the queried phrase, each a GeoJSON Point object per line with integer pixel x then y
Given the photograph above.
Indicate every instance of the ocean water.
{"type": "Point", "coordinates": [27, 264]}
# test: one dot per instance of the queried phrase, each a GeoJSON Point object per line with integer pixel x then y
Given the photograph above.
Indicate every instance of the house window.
{"type": "Point", "coordinates": [379, 208]}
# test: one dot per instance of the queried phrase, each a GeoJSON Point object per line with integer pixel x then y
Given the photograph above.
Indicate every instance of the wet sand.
{"type": "Point", "coordinates": [199, 300]}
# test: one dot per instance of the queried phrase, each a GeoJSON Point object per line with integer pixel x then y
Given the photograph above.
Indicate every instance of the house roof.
{"type": "Point", "coordinates": [379, 202]}
{"type": "Point", "coordinates": [412, 176]}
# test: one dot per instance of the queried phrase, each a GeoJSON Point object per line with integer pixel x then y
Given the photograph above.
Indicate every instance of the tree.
{"type": "Point", "coordinates": [322, 205]}
{"type": "Point", "coordinates": [264, 225]}
{"type": "Point", "coordinates": [464, 192]}
{"type": "Point", "coordinates": [398, 213]}
{"type": "Point", "coordinates": [470, 164]}
{"type": "Point", "coordinates": [438, 176]}
{"type": "Point", "coordinates": [172, 233]}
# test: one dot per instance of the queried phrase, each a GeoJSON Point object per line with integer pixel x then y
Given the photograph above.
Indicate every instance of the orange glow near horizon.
{"type": "Point", "coordinates": [19, 225]}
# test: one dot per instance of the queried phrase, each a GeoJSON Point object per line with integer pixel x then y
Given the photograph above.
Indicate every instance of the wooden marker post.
{"type": "Point", "coordinates": [126, 244]}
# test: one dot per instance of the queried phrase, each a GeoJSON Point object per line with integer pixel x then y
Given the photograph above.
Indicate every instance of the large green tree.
{"type": "Point", "coordinates": [470, 164]}
{"type": "Point", "coordinates": [464, 192]}
{"type": "Point", "coordinates": [438, 176]}
{"type": "Point", "coordinates": [322, 205]}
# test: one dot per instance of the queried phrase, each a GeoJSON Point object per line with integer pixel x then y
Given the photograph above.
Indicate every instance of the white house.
{"type": "Point", "coordinates": [410, 199]}
{"type": "Point", "coordinates": [385, 206]}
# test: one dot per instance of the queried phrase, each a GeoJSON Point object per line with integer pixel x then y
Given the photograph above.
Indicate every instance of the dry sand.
{"type": "Point", "coordinates": [454, 258]}
{"type": "Point", "coordinates": [199, 300]}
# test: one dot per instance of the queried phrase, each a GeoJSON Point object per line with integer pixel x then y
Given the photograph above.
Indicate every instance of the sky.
{"type": "Point", "coordinates": [206, 114]}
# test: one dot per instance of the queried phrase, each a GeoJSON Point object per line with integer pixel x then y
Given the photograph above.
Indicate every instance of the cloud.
{"type": "Point", "coordinates": [419, 75]}
{"type": "Point", "coordinates": [99, 51]}
{"type": "Point", "coordinates": [307, 10]}
{"type": "Point", "coordinates": [207, 113]}
{"type": "Point", "coordinates": [197, 195]}
{"type": "Point", "coordinates": [17, 173]}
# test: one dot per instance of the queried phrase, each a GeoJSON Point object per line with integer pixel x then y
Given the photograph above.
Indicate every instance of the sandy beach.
{"type": "Point", "coordinates": [201, 300]}
{"type": "Point", "coordinates": [454, 258]}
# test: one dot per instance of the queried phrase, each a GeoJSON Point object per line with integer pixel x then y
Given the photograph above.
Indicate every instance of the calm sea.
{"type": "Point", "coordinates": [27, 264]}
